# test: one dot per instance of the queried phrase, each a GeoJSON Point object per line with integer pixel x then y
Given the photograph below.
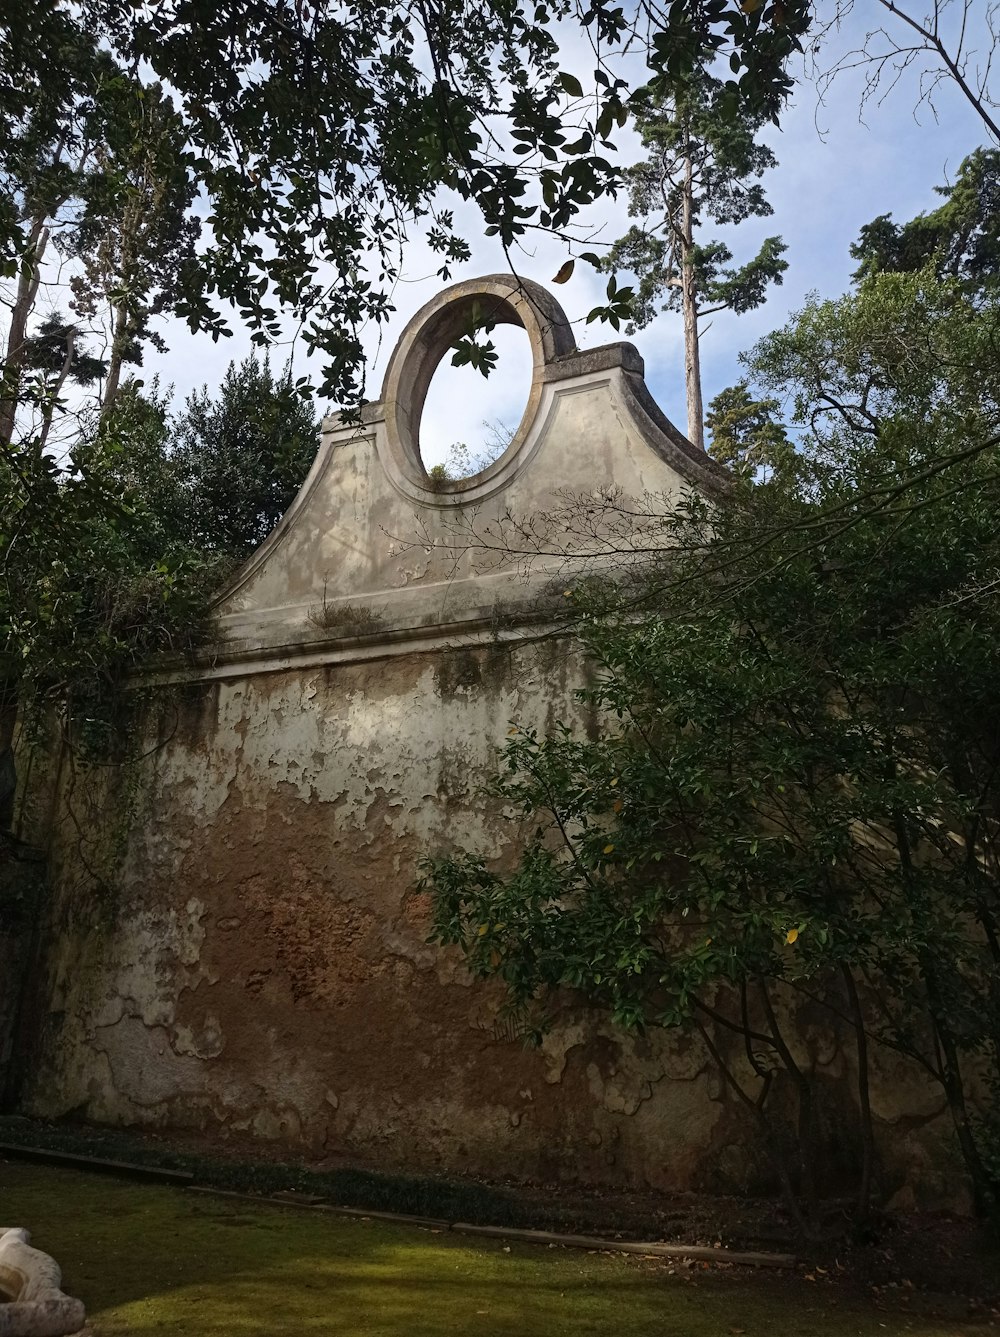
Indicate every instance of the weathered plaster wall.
{"type": "Point", "coordinates": [21, 889]}
{"type": "Point", "coordinates": [256, 960]}
{"type": "Point", "coordinates": [266, 968]}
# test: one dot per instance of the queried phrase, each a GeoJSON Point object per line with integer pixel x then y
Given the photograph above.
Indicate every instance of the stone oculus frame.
{"type": "Point", "coordinates": [373, 541]}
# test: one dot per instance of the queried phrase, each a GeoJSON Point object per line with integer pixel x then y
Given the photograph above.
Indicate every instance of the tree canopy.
{"type": "Point", "coordinates": [318, 139]}
{"type": "Point", "coordinates": [320, 136]}
{"type": "Point", "coordinates": [960, 238]}
{"type": "Point", "coordinates": [110, 555]}
{"type": "Point", "coordinates": [240, 456]}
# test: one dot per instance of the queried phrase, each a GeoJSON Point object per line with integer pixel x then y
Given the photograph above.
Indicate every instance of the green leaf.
{"type": "Point", "coordinates": [570, 84]}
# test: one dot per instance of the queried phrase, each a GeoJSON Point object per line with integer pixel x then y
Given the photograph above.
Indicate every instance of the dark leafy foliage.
{"type": "Point", "coordinates": [240, 457]}
{"type": "Point", "coordinates": [320, 135]}
{"type": "Point", "coordinates": [960, 238]}
{"type": "Point", "coordinates": [92, 579]}
{"type": "Point", "coordinates": [795, 793]}
{"type": "Point", "coordinates": [111, 556]}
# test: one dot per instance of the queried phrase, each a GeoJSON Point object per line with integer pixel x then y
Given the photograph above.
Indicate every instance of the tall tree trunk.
{"type": "Point", "coordinates": [123, 313]}
{"type": "Point", "coordinates": [118, 341]}
{"type": "Point", "coordinates": [27, 291]}
{"type": "Point", "coordinates": [64, 371]}
{"type": "Point", "coordinates": [689, 302]}
{"type": "Point", "coordinates": [864, 1097]}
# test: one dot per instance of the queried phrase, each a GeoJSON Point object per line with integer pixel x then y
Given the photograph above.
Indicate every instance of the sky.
{"type": "Point", "coordinates": [837, 170]}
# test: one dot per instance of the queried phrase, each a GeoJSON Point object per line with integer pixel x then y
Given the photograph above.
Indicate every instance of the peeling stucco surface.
{"type": "Point", "coordinates": [260, 965]}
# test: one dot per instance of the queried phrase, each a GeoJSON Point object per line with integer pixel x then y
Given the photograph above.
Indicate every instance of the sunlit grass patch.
{"type": "Point", "coordinates": [152, 1260]}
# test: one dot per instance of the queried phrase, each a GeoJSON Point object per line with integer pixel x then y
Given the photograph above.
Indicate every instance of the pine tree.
{"type": "Point", "coordinates": [56, 352]}
{"type": "Point", "coordinates": [961, 238]}
{"type": "Point", "coordinates": [700, 166]}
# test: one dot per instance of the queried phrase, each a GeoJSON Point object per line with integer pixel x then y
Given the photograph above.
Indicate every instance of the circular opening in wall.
{"type": "Point", "coordinates": [469, 419]}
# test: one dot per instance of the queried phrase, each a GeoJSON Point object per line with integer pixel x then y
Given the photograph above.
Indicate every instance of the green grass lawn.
{"type": "Point", "coordinates": [152, 1260]}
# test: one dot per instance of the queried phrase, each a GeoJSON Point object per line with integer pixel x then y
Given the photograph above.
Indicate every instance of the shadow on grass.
{"type": "Point", "coordinates": [351, 1186]}
{"type": "Point", "coordinates": [147, 1259]}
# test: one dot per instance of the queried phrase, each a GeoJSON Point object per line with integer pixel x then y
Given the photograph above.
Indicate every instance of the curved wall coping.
{"type": "Point", "coordinates": [499, 299]}
{"type": "Point", "coordinates": [339, 491]}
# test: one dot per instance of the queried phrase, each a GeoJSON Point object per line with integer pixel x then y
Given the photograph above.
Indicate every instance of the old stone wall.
{"type": "Point", "coordinates": [22, 890]}
{"type": "Point", "coordinates": [253, 956]}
